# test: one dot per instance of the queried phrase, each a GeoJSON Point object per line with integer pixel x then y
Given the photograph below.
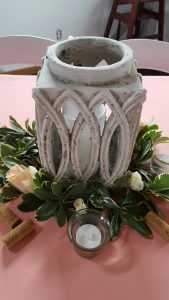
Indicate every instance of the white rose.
{"type": "Point", "coordinates": [32, 170]}
{"type": "Point", "coordinates": [79, 204]}
{"type": "Point", "coordinates": [20, 177]}
{"type": "Point", "coordinates": [136, 183]}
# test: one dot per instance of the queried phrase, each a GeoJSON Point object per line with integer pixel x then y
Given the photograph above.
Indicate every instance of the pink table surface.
{"type": "Point", "coordinates": [45, 266]}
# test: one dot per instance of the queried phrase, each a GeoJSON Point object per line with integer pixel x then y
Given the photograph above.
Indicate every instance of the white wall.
{"type": "Point", "coordinates": [44, 17]}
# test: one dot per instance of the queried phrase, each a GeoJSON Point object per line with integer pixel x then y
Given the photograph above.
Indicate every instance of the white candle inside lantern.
{"type": "Point", "coordinates": [88, 236]}
{"type": "Point", "coordinates": [70, 113]}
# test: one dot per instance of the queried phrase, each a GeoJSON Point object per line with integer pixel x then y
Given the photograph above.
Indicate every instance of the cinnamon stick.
{"type": "Point", "coordinates": [160, 225]}
{"type": "Point", "coordinates": [9, 216]}
{"type": "Point", "coordinates": [18, 233]}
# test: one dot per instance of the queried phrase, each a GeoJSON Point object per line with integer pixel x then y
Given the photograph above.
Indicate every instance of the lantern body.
{"type": "Point", "coordinates": [87, 115]}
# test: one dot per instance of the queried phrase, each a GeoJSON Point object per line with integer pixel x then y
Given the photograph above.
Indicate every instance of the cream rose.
{"type": "Point", "coordinates": [79, 204]}
{"type": "Point", "coordinates": [21, 178]}
{"type": "Point", "coordinates": [136, 183]}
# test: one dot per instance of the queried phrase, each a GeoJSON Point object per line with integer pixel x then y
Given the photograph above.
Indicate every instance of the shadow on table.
{"type": "Point", "coordinates": [10, 255]}
{"type": "Point", "coordinates": [118, 255]}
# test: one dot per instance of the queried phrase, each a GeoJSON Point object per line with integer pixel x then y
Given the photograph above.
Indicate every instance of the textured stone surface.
{"type": "Point", "coordinates": [117, 86]}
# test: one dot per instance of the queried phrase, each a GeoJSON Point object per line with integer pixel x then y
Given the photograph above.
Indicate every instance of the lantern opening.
{"type": "Point", "coordinates": [84, 53]}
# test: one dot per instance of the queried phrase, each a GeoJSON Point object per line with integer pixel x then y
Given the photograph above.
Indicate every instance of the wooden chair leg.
{"type": "Point", "coordinates": [111, 17]}
{"type": "Point", "coordinates": [161, 19]}
{"type": "Point", "coordinates": [138, 21]}
{"type": "Point", "coordinates": [133, 17]}
{"type": "Point", "coordinates": [137, 30]}
{"type": "Point", "coordinates": [118, 31]}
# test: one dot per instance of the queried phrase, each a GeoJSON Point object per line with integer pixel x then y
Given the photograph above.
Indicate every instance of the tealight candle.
{"type": "Point", "coordinates": [89, 231]}
{"type": "Point", "coordinates": [88, 236]}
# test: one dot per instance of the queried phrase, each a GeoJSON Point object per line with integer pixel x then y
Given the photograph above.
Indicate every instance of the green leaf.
{"type": "Point", "coordinates": [45, 175]}
{"type": "Point", "coordinates": [164, 194]}
{"type": "Point", "coordinates": [27, 123]}
{"type": "Point", "coordinates": [3, 171]}
{"type": "Point", "coordinates": [154, 135]}
{"type": "Point", "coordinates": [14, 124]}
{"type": "Point", "coordinates": [5, 130]}
{"type": "Point", "coordinates": [100, 189]}
{"type": "Point", "coordinates": [46, 185]}
{"type": "Point", "coordinates": [151, 205]}
{"type": "Point", "coordinates": [144, 174]}
{"type": "Point", "coordinates": [163, 139]}
{"type": "Point", "coordinates": [6, 150]}
{"type": "Point", "coordinates": [31, 130]}
{"type": "Point", "coordinates": [122, 182]}
{"type": "Point", "coordinates": [27, 143]}
{"type": "Point", "coordinates": [76, 189]}
{"type": "Point", "coordinates": [1, 198]}
{"type": "Point", "coordinates": [101, 201]}
{"type": "Point", "coordinates": [30, 202]}
{"type": "Point", "coordinates": [66, 183]}
{"type": "Point", "coordinates": [11, 140]}
{"type": "Point", "coordinates": [96, 201]}
{"type": "Point", "coordinates": [145, 159]}
{"type": "Point", "coordinates": [142, 134]}
{"type": "Point", "coordinates": [9, 193]}
{"type": "Point", "coordinates": [44, 194]}
{"type": "Point", "coordinates": [160, 183]}
{"type": "Point", "coordinates": [109, 202]}
{"type": "Point", "coordinates": [138, 211]}
{"type": "Point", "coordinates": [21, 144]}
{"type": "Point", "coordinates": [146, 146]}
{"type": "Point", "coordinates": [133, 198]}
{"type": "Point", "coordinates": [69, 212]}
{"type": "Point", "coordinates": [135, 204]}
{"type": "Point", "coordinates": [27, 147]}
{"type": "Point", "coordinates": [34, 126]}
{"type": "Point", "coordinates": [37, 180]}
{"type": "Point", "coordinates": [46, 211]}
{"type": "Point", "coordinates": [152, 127]}
{"type": "Point", "coordinates": [61, 216]}
{"type": "Point", "coordinates": [10, 161]}
{"type": "Point", "coordinates": [116, 225]}
{"type": "Point", "coordinates": [138, 225]}
{"type": "Point", "coordinates": [57, 189]}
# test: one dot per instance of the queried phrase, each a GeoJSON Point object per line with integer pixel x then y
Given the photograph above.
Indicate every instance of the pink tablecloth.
{"type": "Point", "coordinates": [45, 266]}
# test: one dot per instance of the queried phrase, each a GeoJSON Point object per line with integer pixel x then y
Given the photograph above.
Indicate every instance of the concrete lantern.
{"type": "Point", "coordinates": [88, 114]}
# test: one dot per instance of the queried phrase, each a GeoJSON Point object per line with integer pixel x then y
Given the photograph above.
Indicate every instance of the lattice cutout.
{"type": "Point", "coordinates": [100, 145]}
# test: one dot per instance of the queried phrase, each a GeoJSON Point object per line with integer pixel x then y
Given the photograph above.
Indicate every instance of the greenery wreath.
{"type": "Point", "coordinates": [127, 202]}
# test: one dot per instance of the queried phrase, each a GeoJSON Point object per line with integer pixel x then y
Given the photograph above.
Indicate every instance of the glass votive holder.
{"type": "Point", "coordinates": [89, 231]}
